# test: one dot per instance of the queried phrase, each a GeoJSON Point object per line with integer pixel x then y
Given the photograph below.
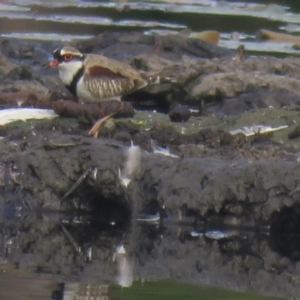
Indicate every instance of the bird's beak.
{"type": "Point", "coordinates": [53, 63]}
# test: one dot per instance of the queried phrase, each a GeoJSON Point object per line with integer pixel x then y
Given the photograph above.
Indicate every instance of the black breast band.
{"type": "Point", "coordinates": [73, 86]}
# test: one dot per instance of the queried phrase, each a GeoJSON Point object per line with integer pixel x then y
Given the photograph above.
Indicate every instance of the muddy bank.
{"type": "Point", "coordinates": [227, 204]}
{"type": "Point", "coordinates": [214, 215]}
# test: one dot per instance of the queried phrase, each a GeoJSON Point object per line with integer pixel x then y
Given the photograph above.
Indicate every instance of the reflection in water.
{"type": "Point", "coordinates": [16, 284]}
{"type": "Point", "coordinates": [124, 266]}
{"type": "Point", "coordinates": [44, 287]}
{"type": "Point", "coordinates": [285, 233]}
{"type": "Point", "coordinates": [75, 290]}
{"type": "Point", "coordinates": [90, 254]}
{"type": "Point", "coordinates": [152, 290]}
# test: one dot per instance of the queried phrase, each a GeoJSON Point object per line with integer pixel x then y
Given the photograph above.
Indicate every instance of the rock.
{"type": "Point", "coordinates": [6, 67]}
{"type": "Point", "coordinates": [179, 113]}
{"type": "Point", "coordinates": [123, 45]}
{"type": "Point", "coordinates": [295, 133]}
{"type": "Point", "coordinates": [228, 85]}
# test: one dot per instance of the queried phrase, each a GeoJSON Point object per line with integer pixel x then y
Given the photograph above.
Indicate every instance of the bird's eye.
{"type": "Point", "coordinates": [67, 57]}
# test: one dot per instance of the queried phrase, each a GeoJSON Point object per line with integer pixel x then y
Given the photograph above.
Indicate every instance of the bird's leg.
{"type": "Point", "coordinates": [94, 131]}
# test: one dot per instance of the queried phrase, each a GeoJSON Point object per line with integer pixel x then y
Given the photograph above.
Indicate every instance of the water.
{"type": "Point", "coordinates": [101, 253]}
{"type": "Point", "coordinates": [65, 20]}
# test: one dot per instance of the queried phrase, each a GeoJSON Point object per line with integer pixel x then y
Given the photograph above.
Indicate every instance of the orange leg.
{"type": "Point", "coordinates": [94, 131]}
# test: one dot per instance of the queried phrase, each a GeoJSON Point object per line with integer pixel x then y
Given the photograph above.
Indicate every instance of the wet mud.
{"type": "Point", "coordinates": [227, 205]}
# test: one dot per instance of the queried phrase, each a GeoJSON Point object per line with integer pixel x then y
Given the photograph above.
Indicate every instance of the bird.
{"type": "Point", "coordinates": [97, 78]}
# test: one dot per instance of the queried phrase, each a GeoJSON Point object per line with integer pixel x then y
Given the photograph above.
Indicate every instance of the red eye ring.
{"type": "Point", "coordinates": [68, 57]}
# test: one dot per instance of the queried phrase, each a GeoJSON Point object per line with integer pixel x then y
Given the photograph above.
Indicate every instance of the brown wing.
{"type": "Point", "coordinates": [107, 78]}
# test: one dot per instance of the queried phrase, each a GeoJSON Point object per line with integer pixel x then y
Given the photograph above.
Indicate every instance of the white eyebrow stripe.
{"type": "Point", "coordinates": [62, 52]}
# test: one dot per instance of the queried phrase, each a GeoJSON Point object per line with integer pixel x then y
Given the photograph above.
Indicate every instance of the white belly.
{"type": "Point", "coordinates": [84, 94]}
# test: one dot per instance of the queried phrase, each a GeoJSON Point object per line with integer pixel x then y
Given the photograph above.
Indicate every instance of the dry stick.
{"type": "Point", "coordinates": [66, 145]}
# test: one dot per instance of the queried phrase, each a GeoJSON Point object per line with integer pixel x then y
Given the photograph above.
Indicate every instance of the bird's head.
{"type": "Point", "coordinates": [69, 61]}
